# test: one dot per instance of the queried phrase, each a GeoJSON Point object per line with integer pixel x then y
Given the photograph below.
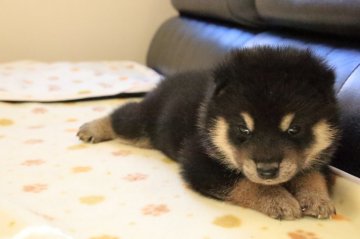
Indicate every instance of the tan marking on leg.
{"type": "Point", "coordinates": [324, 135]}
{"type": "Point", "coordinates": [286, 121]}
{"type": "Point", "coordinates": [274, 201]}
{"type": "Point", "coordinates": [248, 120]}
{"type": "Point", "coordinates": [97, 130]}
{"type": "Point", "coordinates": [220, 140]}
{"type": "Point", "coordinates": [311, 191]}
{"type": "Point", "coordinates": [141, 142]}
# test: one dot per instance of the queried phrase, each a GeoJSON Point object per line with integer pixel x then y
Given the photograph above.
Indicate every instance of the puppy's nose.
{"type": "Point", "coordinates": [267, 170]}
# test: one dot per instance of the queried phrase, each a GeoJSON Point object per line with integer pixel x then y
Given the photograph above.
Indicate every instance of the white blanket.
{"type": "Point", "coordinates": [54, 186]}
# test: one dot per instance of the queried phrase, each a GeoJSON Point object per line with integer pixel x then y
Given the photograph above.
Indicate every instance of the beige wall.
{"type": "Point", "coordinates": [51, 30]}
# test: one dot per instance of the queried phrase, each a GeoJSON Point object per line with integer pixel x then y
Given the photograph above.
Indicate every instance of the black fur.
{"type": "Point", "coordinates": [178, 115]}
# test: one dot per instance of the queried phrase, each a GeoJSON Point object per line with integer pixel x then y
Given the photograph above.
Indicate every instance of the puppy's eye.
{"type": "Point", "coordinates": [294, 130]}
{"type": "Point", "coordinates": [243, 130]}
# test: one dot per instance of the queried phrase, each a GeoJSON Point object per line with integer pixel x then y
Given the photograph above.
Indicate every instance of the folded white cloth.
{"type": "Point", "coordinates": [38, 81]}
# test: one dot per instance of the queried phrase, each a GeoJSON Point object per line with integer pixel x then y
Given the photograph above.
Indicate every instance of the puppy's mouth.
{"type": "Point", "coordinates": [269, 173]}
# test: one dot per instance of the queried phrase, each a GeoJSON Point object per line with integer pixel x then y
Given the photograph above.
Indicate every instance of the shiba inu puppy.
{"type": "Point", "coordinates": [258, 130]}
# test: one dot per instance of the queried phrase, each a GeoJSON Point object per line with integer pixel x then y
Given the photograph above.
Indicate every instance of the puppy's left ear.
{"type": "Point", "coordinates": [220, 85]}
{"type": "Point", "coordinates": [220, 77]}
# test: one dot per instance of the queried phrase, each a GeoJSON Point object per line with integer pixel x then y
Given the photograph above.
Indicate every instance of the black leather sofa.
{"type": "Point", "coordinates": [205, 30]}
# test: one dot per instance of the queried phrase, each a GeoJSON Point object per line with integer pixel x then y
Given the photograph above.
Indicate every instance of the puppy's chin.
{"type": "Point", "coordinates": [287, 170]}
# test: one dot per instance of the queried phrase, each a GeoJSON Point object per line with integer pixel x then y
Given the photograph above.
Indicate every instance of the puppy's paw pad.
{"type": "Point", "coordinates": [315, 206]}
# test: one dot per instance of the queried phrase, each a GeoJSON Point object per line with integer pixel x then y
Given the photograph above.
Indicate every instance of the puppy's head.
{"type": "Point", "coordinates": [271, 113]}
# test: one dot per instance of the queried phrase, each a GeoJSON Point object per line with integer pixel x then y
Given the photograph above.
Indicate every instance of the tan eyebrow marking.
{"type": "Point", "coordinates": [248, 120]}
{"type": "Point", "coordinates": [286, 121]}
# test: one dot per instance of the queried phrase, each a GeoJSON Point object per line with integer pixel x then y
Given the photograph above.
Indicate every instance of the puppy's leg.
{"type": "Point", "coordinates": [311, 191]}
{"type": "Point", "coordinates": [126, 123]}
{"type": "Point", "coordinates": [274, 201]}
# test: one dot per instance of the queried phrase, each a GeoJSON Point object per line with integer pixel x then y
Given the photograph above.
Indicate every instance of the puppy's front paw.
{"type": "Point", "coordinates": [274, 201]}
{"type": "Point", "coordinates": [282, 207]}
{"type": "Point", "coordinates": [87, 134]}
{"type": "Point", "coordinates": [96, 131]}
{"type": "Point", "coordinates": [311, 191]}
{"type": "Point", "coordinates": [315, 205]}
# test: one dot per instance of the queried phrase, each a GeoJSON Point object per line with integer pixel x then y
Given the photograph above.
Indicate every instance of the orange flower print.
{"type": "Point", "coordinates": [6, 122]}
{"type": "Point", "coordinates": [70, 120]}
{"type": "Point", "coordinates": [135, 177]}
{"type": "Point", "coordinates": [98, 109]}
{"type": "Point", "coordinates": [39, 110]}
{"type": "Point", "coordinates": [33, 162]}
{"type": "Point", "coordinates": [81, 169]}
{"type": "Point", "coordinates": [123, 78]}
{"type": "Point", "coordinates": [339, 217]}
{"type": "Point", "coordinates": [227, 221]}
{"type": "Point", "coordinates": [92, 199]}
{"type": "Point", "coordinates": [121, 153]}
{"type": "Point", "coordinates": [36, 127]}
{"type": "Point", "coordinates": [155, 209]}
{"type": "Point", "coordinates": [29, 82]}
{"type": "Point", "coordinates": [34, 188]}
{"type": "Point", "coordinates": [106, 85]}
{"type": "Point", "coordinates": [300, 234]}
{"type": "Point", "coordinates": [54, 88]}
{"type": "Point", "coordinates": [53, 78]}
{"type": "Point", "coordinates": [84, 92]}
{"type": "Point", "coordinates": [104, 237]}
{"type": "Point", "coordinates": [77, 81]}
{"type": "Point", "coordinates": [114, 68]}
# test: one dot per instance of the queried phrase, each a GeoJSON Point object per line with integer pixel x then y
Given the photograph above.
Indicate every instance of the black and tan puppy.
{"type": "Point", "coordinates": [257, 131]}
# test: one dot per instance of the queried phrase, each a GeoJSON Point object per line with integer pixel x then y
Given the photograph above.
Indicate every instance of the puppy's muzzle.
{"type": "Point", "coordinates": [267, 170]}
